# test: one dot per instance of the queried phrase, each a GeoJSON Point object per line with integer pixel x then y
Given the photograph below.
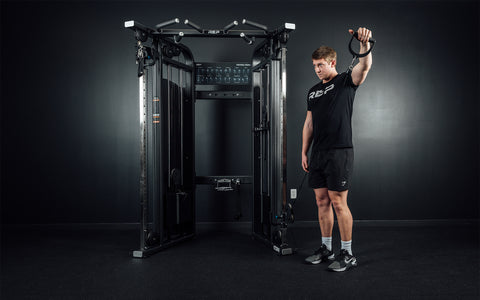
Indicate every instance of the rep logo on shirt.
{"type": "Point", "coordinates": [320, 93]}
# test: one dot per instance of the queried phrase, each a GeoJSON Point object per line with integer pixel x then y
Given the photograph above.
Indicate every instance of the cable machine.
{"type": "Point", "coordinates": [169, 83]}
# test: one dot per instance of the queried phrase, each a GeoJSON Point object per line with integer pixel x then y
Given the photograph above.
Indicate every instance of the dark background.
{"type": "Point", "coordinates": [69, 110]}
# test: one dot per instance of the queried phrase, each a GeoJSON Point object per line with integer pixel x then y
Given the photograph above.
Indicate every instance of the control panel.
{"type": "Point", "coordinates": [225, 80]}
{"type": "Point", "coordinates": [223, 73]}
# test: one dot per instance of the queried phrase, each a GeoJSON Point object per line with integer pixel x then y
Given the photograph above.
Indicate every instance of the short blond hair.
{"type": "Point", "coordinates": [326, 53]}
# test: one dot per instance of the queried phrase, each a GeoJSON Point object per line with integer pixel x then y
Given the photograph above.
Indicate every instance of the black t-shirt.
{"type": "Point", "coordinates": [331, 105]}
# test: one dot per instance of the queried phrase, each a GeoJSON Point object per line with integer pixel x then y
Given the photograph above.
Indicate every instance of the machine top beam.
{"type": "Point", "coordinates": [196, 31]}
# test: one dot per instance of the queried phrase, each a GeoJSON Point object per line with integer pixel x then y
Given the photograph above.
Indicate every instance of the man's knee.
{"type": "Point", "coordinates": [322, 199]}
{"type": "Point", "coordinates": [339, 200]}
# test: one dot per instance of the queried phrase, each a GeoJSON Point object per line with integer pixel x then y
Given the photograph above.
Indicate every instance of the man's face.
{"type": "Point", "coordinates": [323, 69]}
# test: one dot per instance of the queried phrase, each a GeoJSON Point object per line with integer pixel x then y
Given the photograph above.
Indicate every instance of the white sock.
{"type": "Point", "coordinates": [347, 246]}
{"type": "Point", "coordinates": [327, 241]}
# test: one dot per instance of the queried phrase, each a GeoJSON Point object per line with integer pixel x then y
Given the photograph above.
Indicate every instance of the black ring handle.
{"type": "Point", "coordinates": [355, 35]}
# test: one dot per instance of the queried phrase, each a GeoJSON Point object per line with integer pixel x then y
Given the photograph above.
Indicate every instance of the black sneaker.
{"type": "Point", "coordinates": [322, 254]}
{"type": "Point", "coordinates": [343, 262]}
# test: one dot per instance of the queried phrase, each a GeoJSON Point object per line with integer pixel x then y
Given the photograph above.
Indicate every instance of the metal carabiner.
{"type": "Point", "coordinates": [350, 68]}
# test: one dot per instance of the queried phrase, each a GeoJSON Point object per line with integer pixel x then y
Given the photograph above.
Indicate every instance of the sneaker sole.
{"type": "Point", "coordinates": [354, 264]}
{"type": "Point", "coordinates": [316, 262]}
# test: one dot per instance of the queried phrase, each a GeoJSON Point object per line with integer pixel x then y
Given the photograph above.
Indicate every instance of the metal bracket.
{"type": "Point", "coordinates": [225, 184]}
{"type": "Point", "coordinates": [261, 128]}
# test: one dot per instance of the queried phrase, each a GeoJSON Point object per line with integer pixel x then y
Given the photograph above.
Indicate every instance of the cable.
{"type": "Point", "coordinates": [299, 189]}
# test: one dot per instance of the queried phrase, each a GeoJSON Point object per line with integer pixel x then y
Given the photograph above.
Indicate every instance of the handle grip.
{"type": "Point", "coordinates": [193, 25]}
{"type": "Point", "coordinates": [230, 26]}
{"type": "Point", "coordinates": [167, 23]}
{"type": "Point", "coordinates": [254, 24]}
{"type": "Point", "coordinates": [246, 38]}
{"type": "Point", "coordinates": [358, 55]}
{"type": "Point", "coordinates": [355, 34]}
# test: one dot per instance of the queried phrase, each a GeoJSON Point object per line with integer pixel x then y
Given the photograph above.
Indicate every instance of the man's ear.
{"type": "Point", "coordinates": [333, 63]}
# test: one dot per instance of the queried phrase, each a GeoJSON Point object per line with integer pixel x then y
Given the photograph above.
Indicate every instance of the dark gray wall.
{"type": "Point", "coordinates": [69, 115]}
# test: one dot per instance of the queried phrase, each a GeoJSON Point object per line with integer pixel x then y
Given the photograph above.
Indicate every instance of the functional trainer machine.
{"type": "Point", "coordinates": [170, 81]}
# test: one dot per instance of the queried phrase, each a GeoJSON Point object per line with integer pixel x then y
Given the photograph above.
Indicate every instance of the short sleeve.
{"type": "Point", "coordinates": [309, 104]}
{"type": "Point", "coordinates": [349, 81]}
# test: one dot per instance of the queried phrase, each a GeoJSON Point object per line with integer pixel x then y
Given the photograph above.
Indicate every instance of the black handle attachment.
{"type": "Point", "coordinates": [355, 35]}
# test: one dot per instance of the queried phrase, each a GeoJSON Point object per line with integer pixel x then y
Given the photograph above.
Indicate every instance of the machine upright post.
{"type": "Point", "coordinates": [270, 144]}
{"type": "Point", "coordinates": [283, 113]}
{"type": "Point", "coordinates": [279, 149]}
{"type": "Point", "coordinates": [161, 145]}
{"type": "Point", "coordinates": [143, 157]}
{"type": "Point", "coordinates": [155, 122]}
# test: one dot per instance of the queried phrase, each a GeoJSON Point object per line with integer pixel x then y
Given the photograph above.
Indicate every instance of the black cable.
{"type": "Point", "coordinates": [290, 208]}
{"type": "Point", "coordinates": [299, 189]}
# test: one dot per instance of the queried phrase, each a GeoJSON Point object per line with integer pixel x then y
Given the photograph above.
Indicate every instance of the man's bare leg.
{"type": "Point", "coordinates": [325, 211]}
{"type": "Point", "coordinates": [344, 216]}
{"type": "Point", "coordinates": [325, 219]}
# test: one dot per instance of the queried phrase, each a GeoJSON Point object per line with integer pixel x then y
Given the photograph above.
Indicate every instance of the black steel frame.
{"type": "Point", "coordinates": [167, 94]}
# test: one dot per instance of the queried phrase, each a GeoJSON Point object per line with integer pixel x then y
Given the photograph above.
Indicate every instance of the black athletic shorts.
{"type": "Point", "coordinates": [331, 169]}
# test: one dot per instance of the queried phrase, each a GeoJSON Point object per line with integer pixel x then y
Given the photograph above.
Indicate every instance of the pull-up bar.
{"type": "Point", "coordinates": [195, 30]}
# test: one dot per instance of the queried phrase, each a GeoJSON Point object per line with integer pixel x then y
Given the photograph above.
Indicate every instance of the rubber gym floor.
{"type": "Point", "coordinates": [397, 260]}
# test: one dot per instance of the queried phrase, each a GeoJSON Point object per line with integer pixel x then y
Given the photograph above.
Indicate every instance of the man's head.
{"type": "Point", "coordinates": [324, 61]}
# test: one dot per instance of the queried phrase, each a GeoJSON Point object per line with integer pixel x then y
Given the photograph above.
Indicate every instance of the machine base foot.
{"type": "Point", "coordinates": [283, 249]}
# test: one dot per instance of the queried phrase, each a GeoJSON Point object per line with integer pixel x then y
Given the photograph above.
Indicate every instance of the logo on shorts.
{"type": "Point", "coordinates": [343, 183]}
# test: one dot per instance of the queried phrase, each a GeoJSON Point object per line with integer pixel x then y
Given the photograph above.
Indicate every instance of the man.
{"type": "Point", "coordinates": [328, 125]}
